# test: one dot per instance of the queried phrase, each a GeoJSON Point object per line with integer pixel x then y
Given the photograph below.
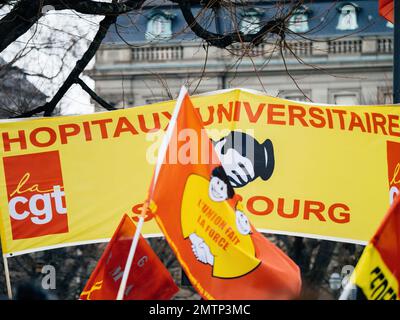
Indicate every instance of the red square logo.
{"type": "Point", "coordinates": [393, 158]}
{"type": "Point", "coordinates": [36, 196]}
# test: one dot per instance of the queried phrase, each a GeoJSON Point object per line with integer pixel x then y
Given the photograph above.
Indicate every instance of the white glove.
{"type": "Point", "coordinates": [201, 250]}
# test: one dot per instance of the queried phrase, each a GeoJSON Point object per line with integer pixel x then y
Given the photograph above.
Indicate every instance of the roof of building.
{"type": "Point", "coordinates": [323, 20]}
{"type": "Point", "coordinates": [17, 93]}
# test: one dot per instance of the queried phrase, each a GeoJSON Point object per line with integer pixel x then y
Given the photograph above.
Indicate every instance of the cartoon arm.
{"type": "Point", "coordinates": [201, 250]}
{"type": "Point", "coordinates": [242, 173]}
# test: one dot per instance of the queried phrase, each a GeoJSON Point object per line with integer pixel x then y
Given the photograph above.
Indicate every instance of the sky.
{"type": "Point", "coordinates": [51, 48]}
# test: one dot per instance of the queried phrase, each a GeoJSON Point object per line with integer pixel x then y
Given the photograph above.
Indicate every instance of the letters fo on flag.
{"type": "Point", "coordinates": [148, 278]}
{"type": "Point", "coordinates": [386, 9]}
{"type": "Point", "coordinates": [377, 274]}
{"type": "Point", "coordinates": [205, 224]}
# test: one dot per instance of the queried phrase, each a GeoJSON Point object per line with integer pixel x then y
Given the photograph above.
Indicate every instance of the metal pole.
{"type": "Point", "coordinates": [160, 159]}
{"type": "Point", "coordinates": [131, 255]}
{"type": "Point", "coordinates": [7, 274]}
{"type": "Point", "coordinates": [396, 54]}
{"type": "Point", "coordinates": [219, 28]}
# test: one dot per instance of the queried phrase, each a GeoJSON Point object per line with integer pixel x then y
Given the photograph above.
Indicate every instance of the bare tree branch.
{"type": "Point", "coordinates": [27, 12]}
{"type": "Point", "coordinates": [276, 26]}
{"type": "Point", "coordinates": [18, 21]}
{"type": "Point", "coordinates": [94, 96]}
{"type": "Point", "coordinates": [102, 8]}
{"type": "Point", "coordinates": [81, 64]}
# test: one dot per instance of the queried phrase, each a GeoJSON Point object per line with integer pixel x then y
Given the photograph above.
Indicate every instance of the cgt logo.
{"type": "Point", "coordinates": [36, 197]}
{"type": "Point", "coordinates": [393, 158]}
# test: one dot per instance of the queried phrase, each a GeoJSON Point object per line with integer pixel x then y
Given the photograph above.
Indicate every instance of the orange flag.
{"type": "Point", "coordinates": [205, 224]}
{"type": "Point", "coordinates": [377, 274]}
{"type": "Point", "coordinates": [386, 9]}
{"type": "Point", "coordinates": [148, 278]}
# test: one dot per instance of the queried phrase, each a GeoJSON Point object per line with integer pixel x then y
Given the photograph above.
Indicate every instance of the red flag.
{"type": "Point", "coordinates": [377, 274]}
{"type": "Point", "coordinates": [148, 278]}
{"type": "Point", "coordinates": [205, 223]}
{"type": "Point", "coordinates": [386, 9]}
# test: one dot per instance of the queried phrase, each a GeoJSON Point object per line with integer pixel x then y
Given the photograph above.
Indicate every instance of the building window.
{"type": "Point", "coordinates": [159, 26]}
{"type": "Point", "coordinates": [299, 20]}
{"type": "Point", "coordinates": [387, 98]}
{"type": "Point", "coordinates": [348, 17]}
{"type": "Point", "coordinates": [299, 98]}
{"type": "Point", "coordinates": [296, 95]}
{"type": "Point", "coordinates": [130, 103]}
{"type": "Point", "coordinates": [345, 97]}
{"type": "Point", "coordinates": [385, 95]}
{"type": "Point", "coordinates": [349, 96]}
{"type": "Point", "coordinates": [151, 100]}
{"type": "Point", "coordinates": [250, 22]}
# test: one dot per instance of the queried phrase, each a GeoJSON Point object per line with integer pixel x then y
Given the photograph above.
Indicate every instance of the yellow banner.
{"type": "Point", "coordinates": [373, 277]}
{"type": "Point", "coordinates": [68, 180]}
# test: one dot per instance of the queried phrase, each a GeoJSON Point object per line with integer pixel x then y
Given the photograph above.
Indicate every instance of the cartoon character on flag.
{"type": "Point", "coordinates": [204, 222]}
{"type": "Point", "coordinates": [214, 225]}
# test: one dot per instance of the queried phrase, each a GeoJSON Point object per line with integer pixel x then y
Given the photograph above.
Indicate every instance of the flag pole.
{"type": "Point", "coordinates": [160, 159]}
{"type": "Point", "coordinates": [346, 291]}
{"type": "Point", "coordinates": [168, 135]}
{"type": "Point", "coordinates": [7, 275]}
{"type": "Point", "coordinates": [132, 250]}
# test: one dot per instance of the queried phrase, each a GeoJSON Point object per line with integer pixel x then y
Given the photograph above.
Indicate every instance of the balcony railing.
{"type": "Point", "coordinates": [157, 53]}
{"type": "Point", "coordinates": [344, 46]}
{"type": "Point", "coordinates": [239, 49]}
{"type": "Point", "coordinates": [304, 48]}
{"type": "Point", "coordinates": [385, 45]}
{"type": "Point", "coordinates": [264, 50]}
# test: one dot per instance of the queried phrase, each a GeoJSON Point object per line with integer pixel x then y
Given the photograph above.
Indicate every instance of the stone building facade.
{"type": "Point", "coordinates": [17, 93]}
{"type": "Point", "coordinates": [345, 49]}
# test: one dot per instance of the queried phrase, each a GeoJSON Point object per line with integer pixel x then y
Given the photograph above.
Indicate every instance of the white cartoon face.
{"type": "Point", "coordinates": [242, 223]}
{"type": "Point", "coordinates": [218, 190]}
